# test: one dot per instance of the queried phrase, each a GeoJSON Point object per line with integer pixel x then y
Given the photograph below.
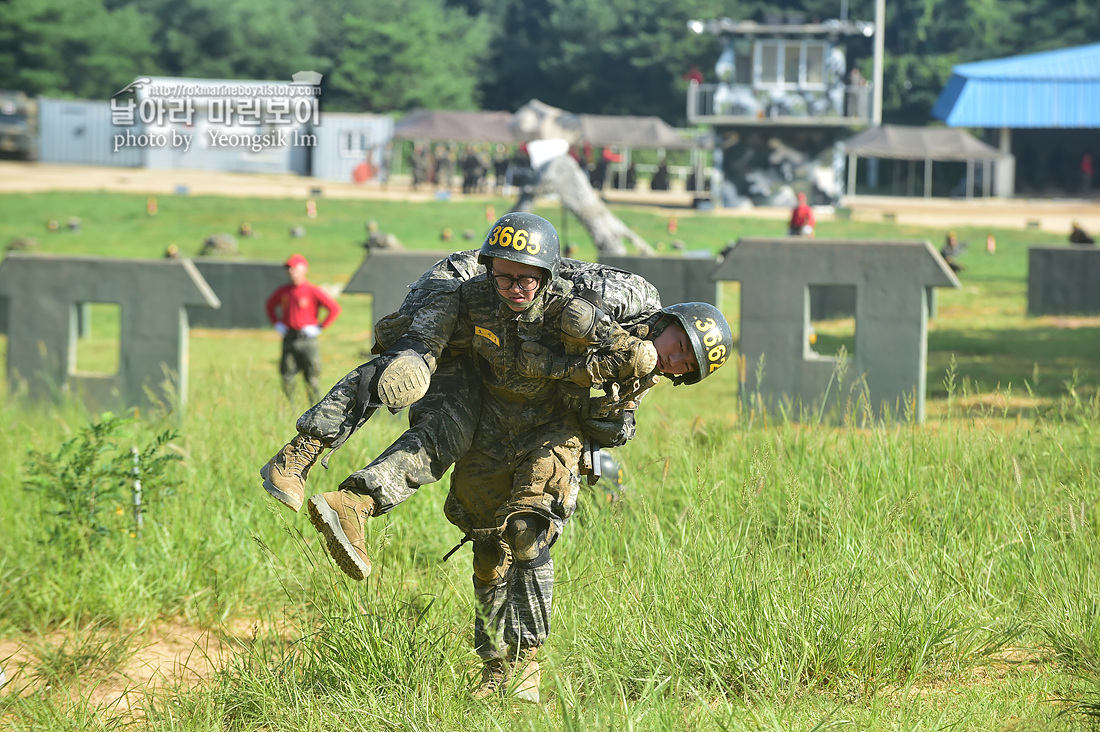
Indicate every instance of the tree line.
{"type": "Point", "coordinates": [592, 56]}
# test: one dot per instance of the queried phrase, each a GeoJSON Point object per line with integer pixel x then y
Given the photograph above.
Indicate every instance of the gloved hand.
{"type": "Point", "coordinates": [612, 432]}
{"type": "Point", "coordinates": [388, 330]}
{"type": "Point", "coordinates": [535, 360]}
{"type": "Point", "coordinates": [280, 328]}
{"type": "Point", "coordinates": [311, 331]}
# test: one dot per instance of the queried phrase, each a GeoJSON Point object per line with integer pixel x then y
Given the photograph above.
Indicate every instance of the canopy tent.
{"type": "Point", "coordinates": [434, 124]}
{"type": "Point", "coordinates": [628, 131]}
{"type": "Point", "coordinates": [536, 119]}
{"type": "Point", "coordinates": [919, 143]}
{"type": "Point", "coordinates": [930, 144]}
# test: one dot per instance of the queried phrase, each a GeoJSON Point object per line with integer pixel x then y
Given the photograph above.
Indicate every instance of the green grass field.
{"type": "Point", "coordinates": [757, 575]}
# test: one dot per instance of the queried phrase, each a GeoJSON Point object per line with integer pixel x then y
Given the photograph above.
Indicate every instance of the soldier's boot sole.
{"type": "Point", "coordinates": [403, 381]}
{"type": "Point", "coordinates": [291, 501]}
{"type": "Point", "coordinates": [325, 519]}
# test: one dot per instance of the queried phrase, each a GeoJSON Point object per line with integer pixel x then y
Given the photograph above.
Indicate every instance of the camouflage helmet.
{"type": "Point", "coordinates": [710, 336]}
{"type": "Point", "coordinates": [525, 238]}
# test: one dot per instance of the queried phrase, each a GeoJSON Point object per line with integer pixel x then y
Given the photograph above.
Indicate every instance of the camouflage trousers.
{"type": "Point", "coordinates": [441, 428]}
{"type": "Point", "coordinates": [300, 353]}
{"type": "Point", "coordinates": [513, 612]}
{"type": "Point", "coordinates": [541, 482]}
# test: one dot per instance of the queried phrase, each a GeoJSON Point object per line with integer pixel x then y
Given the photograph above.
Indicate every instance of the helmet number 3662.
{"type": "Point", "coordinates": [712, 339]}
{"type": "Point", "coordinates": [518, 239]}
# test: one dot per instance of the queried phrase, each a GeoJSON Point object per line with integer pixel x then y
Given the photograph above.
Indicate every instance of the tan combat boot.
{"type": "Point", "coordinates": [285, 474]}
{"type": "Point", "coordinates": [340, 517]}
{"type": "Point", "coordinates": [526, 676]}
{"type": "Point", "coordinates": [403, 381]}
{"type": "Point", "coordinates": [494, 679]}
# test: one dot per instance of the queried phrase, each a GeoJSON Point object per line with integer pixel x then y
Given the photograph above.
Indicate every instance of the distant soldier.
{"type": "Point", "coordinates": [500, 167]}
{"type": "Point", "coordinates": [420, 165]}
{"type": "Point", "coordinates": [660, 180]}
{"type": "Point", "coordinates": [1077, 235]}
{"type": "Point", "coordinates": [444, 167]}
{"type": "Point", "coordinates": [951, 251]}
{"type": "Point", "coordinates": [471, 170]}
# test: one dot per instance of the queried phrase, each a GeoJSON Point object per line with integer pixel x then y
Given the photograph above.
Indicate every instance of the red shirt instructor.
{"type": "Point", "coordinates": [294, 310]}
{"type": "Point", "coordinates": [802, 219]}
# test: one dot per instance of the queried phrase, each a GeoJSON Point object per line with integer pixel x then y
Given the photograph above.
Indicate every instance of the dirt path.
{"type": "Point", "coordinates": [116, 669]}
{"type": "Point", "coordinates": [1047, 216]}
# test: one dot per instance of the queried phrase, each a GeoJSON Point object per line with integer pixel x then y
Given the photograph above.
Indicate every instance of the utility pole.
{"type": "Point", "coordinates": [880, 52]}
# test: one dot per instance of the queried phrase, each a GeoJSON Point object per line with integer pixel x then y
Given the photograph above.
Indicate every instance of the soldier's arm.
{"type": "Point", "coordinates": [615, 355]}
{"type": "Point", "coordinates": [598, 350]}
{"type": "Point", "coordinates": [628, 299]}
{"type": "Point", "coordinates": [426, 321]}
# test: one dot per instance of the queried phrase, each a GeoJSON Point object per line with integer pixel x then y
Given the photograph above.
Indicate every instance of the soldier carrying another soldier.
{"type": "Point", "coordinates": [535, 355]}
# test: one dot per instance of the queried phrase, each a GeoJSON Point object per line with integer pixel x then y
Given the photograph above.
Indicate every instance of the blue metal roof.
{"type": "Point", "coordinates": [1051, 89]}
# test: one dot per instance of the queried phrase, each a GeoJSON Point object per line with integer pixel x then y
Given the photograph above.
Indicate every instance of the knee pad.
{"type": "Point", "coordinates": [490, 562]}
{"type": "Point", "coordinates": [528, 540]}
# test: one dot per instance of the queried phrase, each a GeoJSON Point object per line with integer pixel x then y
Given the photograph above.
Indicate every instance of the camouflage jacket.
{"type": "Point", "coordinates": [626, 298]}
{"type": "Point", "coordinates": [515, 408]}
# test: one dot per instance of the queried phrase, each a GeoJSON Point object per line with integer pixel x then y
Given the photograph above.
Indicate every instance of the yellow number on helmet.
{"type": "Point", "coordinates": [506, 236]}
{"type": "Point", "coordinates": [494, 236]}
{"type": "Point", "coordinates": [519, 241]}
{"type": "Point", "coordinates": [712, 338]}
{"type": "Point", "coordinates": [535, 246]}
{"type": "Point", "coordinates": [718, 352]}
{"type": "Point", "coordinates": [705, 324]}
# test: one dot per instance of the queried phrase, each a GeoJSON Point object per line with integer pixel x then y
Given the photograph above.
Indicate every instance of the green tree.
{"type": "Point", "coordinates": [599, 56]}
{"type": "Point", "coordinates": [911, 84]}
{"type": "Point", "coordinates": [613, 57]}
{"type": "Point", "coordinates": [394, 55]}
{"type": "Point", "coordinates": [72, 48]}
{"type": "Point", "coordinates": [231, 39]}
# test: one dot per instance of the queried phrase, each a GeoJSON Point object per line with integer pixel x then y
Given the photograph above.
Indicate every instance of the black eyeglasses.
{"type": "Point", "coordinates": [525, 282]}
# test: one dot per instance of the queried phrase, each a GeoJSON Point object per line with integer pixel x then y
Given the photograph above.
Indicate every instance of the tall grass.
{"type": "Point", "coordinates": [779, 572]}
{"type": "Point", "coordinates": [758, 574]}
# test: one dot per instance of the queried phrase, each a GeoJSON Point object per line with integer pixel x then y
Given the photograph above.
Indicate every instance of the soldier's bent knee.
{"type": "Point", "coordinates": [527, 537]}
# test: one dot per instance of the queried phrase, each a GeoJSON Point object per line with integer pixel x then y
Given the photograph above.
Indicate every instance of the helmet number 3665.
{"type": "Point", "coordinates": [518, 239]}
{"type": "Point", "coordinates": [712, 339]}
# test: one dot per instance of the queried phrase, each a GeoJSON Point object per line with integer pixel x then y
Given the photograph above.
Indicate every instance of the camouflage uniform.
{"type": "Point", "coordinates": [432, 303]}
{"type": "Point", "coordinates": [300, 352]}
{"type": "Point", "coordinates": [525, 456]}
{"type": "Point", "coordinates": [441, 426]}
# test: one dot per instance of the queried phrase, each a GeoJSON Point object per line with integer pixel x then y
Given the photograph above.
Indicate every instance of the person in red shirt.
{"type": "Point", "coordinates": [693, 76]}
{"type": "Point", "coordinates": [294, 309]}
{"type": "Point", "coordinates": [802, 218]}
